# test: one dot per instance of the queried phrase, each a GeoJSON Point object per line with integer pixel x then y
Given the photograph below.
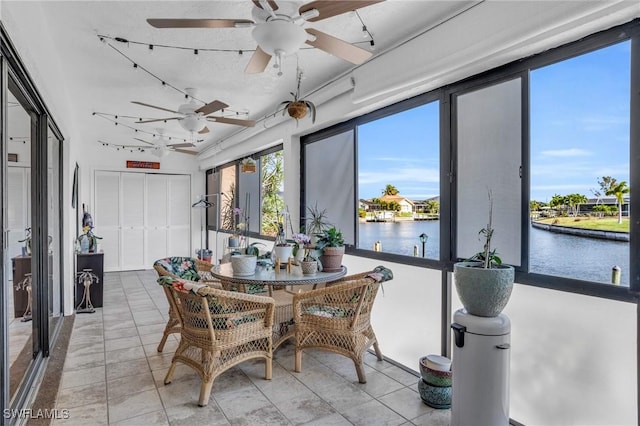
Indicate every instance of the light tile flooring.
{"type": "Point", "coordinates": [114, 375]}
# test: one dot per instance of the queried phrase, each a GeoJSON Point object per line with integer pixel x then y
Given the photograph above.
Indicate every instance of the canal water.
{"type": "Point", "coordinates": [550, 253]}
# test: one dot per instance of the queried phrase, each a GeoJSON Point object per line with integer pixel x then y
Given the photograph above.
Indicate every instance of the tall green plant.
{"type": "Point", "coordinates": [488, 257]}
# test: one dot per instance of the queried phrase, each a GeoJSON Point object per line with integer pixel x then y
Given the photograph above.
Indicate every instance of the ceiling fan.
{"type": "Point", "coordinates": [194, 118]}
{"type": "Point", "coordinates": [278, 30]}
{"type": "Point", "coordinates": [161, 148]}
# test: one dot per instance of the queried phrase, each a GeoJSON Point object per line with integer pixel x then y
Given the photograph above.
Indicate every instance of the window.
{"type": "Point", "coordinates": [399, 183]}
{"type": "Point", "coordinates": [272, 185]}
{"type": "Point", "coordinates": [249, 199]}
{"type": "Point", "coordinates": [580, 166]}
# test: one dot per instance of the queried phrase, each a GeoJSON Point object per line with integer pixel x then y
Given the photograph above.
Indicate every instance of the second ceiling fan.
{"type": "Point", "coordinates": [278, 30]}
{"type": "Point", "coordinates": [193, 117]}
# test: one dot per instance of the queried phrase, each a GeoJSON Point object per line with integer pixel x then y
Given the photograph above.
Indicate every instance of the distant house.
{"type": "Point", "coordinates": [608, 201]}
{"type": "Point", "coordinates": [368, 205]}
{"type": "Point", "coordinates": [406, 205]}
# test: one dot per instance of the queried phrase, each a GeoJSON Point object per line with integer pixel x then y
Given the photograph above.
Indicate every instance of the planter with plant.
{"type": "Point", "coordinates": [483, 283]}
{"type": "Point", "coordinates": [306, 254]}
{"type": "Point", "coordinates": [315, 222]}
{"type": "Point", "coordinates": [331, 243]}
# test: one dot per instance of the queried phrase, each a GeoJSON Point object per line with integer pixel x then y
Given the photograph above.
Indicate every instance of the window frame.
{"type": "Point", "coordinates": [519, 68]}
{"type": "Point", "coordinates": [236, 164]}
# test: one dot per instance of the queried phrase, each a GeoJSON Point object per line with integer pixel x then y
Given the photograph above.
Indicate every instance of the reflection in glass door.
{"type": "Point", "coordinates": [19, 303]}
{"type": "Point", "coordinates": [53, 202]}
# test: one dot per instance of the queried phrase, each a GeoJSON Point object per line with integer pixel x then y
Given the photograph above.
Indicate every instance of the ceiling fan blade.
{"type": "Point", "coordinates": [272, 4]}
{"type": "Point", "coordinates": [197, 23]}
{"type": "Point", "coordinates": [239, 122]}
{"type": "Point", "coordinates": [337, 47]}
{"type": "Point", "coordinates": [212, 107]}
{"type": "Point", "coordinates": [142, 140]}
{"type": "Point", "coordinates": [327, 9]}
{"type": "Point", "coordinates": [159, 119]}
{"type": "Point", "coordinates": [258, 62]}
{"type": "Point", "coordinates": [181, 145]}
{"type": "Point", "coordinates": [204, 130]}
{"type": "Point", "coordinates": [153, 106]}
{"type": "Point", "coordinates": [186, 151]}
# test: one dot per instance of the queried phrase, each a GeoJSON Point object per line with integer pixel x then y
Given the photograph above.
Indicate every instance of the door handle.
{"type": "Point", "coordinates": [503, 346]}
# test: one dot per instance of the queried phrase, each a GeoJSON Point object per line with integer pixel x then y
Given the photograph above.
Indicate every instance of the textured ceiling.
{"type": "Point", "coordinates": [101, 76]}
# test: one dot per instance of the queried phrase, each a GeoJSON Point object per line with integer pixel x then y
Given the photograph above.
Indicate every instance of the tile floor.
{"type": "Point", "coordinates": [114, 375]}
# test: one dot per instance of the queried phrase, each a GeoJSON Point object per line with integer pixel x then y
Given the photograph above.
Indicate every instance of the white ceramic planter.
{"type": "Point", "coordinates": [243, 264]}
{"type": "Point", "coordinates": [283, 253]}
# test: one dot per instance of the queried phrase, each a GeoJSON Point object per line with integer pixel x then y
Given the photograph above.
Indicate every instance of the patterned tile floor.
{"type": "Point", "coordinates": [114, 375]}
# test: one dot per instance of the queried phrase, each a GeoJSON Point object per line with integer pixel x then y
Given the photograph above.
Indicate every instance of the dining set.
{"type": "Point", "coordinates": [224, 319]}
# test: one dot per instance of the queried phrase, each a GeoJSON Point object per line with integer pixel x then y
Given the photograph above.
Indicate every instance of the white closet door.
{"type": "Point", "coordinates": [106, 215]}
{"type": "Point", "coordinates": [18, 212]}
{"type": "Point", "coordinates": [179, 212]}
{"type": "Point", "coordinates": [132, 235]}
{"type": "Point", "coordinates": [156, 217]}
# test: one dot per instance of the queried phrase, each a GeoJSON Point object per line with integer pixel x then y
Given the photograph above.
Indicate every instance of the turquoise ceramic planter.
{"type": "Point", "coordinates": [483, 292]}
{"type": "Point", "coordinates": [435, 396]}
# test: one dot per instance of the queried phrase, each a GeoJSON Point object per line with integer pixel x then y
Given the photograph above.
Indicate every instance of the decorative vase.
{"type": "Point", "coordinates": [483, 292]}
{"type": "Point", "coordinates": [331, 259]}
{"type": "Point", "coordinates": [309, 267]}
{"type": "Point", "coordinates": [84, 243]}
{"type": "Point", "coordinates": [283, 253]}
{"type": "Point", "coordinates": [243, 264]}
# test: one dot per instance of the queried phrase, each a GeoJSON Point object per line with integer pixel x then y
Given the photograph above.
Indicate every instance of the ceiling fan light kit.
{"type": "Point", "coordinates": [279, 30]}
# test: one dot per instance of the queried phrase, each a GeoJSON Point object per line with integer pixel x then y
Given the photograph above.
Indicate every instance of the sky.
{"type": "Point", "coordinates": [579, 111]}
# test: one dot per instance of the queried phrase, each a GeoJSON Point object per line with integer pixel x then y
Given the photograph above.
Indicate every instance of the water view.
{"type": "Point", "coordinates": [551, 253]}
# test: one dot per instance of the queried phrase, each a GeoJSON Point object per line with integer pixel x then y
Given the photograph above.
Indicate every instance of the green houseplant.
{"type": "Point", "coordinates": [331, 243]}
{"type": "Point", "coordinates": [315, 222]}
{"type": "Point", "coordinates": [483, 283]}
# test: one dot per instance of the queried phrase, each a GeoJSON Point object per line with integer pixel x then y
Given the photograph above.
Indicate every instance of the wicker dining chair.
{"type": "Point", "coordinates": [220, 329]}
{"type": "Point", "coordinates": [185, 268]}
{"type": "Point", "coordinates": [338, 319]}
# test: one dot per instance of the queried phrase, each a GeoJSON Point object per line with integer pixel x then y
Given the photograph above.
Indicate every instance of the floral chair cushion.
{"type": "Point", "coordinates": [215, 308]}
{"type": "Point", "coordinates": [183, 267]}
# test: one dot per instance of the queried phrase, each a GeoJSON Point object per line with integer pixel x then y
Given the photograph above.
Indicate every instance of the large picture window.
{"type": "Point", "coordinates": [399, 183]}
{"type": "Point", "coordinates": [580, 166]}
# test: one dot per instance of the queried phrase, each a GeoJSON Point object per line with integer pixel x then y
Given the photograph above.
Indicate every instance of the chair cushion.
{"type": "Point", "coordinates": [215, 308]}
{"type": "Point", "coordinates": [328, 311]}
{"type": "Point", "coordinates": [183, 267]}
{"type": "Point", "coordinates": [381, 274]}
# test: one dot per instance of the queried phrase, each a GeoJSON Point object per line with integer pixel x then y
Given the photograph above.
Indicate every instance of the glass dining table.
{"type": "Point", "coordinates": [274, 278]}
{"type": "Point", "coordinates": [281, 285]}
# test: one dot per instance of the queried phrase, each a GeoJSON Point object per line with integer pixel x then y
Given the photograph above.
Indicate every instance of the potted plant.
{"type": "Point", "coordinates": [204, 254]}
{"type": "Point", "coordinates": [303, 253]}
{"type": "Point", "coordinates": [315, 222]}
{"type": "Point", "coordinates": [283, 249]}
{"type": "Point", "coordinates": [234, 240]}
{"type": "Point", "coordinates": [483, 283]}
{"type": "Point", "coordinates": [331, 243]}
{"type": "Point", "coordinates": [298, 108]}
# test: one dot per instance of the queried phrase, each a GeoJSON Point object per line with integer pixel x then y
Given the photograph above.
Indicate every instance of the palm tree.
{"type": "Point", "coordinates": [390, 190]}
{"type": "Point", "coordinates": [618, 191]}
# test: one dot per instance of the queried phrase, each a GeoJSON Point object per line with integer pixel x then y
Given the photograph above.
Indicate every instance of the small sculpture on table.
{"type": "Point", "coordinates": [86, 278]}
{"type": "Point", "coordinates": [25, 285]}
